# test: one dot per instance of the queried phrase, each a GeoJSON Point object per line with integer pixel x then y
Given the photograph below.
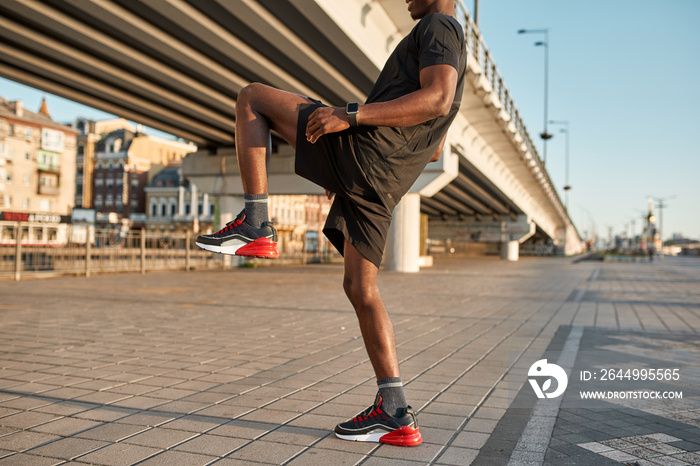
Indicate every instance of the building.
{"type": "Point", "coordinates": [125, 161]}
{"type": "Point", "coordinates": [89, 133]}
{"type": "Point", "coordinates": [173, 204]}
{"type": "Point", "coordinates": [37, 174]}
{"type": "Point", "coordinates": [299, 221]}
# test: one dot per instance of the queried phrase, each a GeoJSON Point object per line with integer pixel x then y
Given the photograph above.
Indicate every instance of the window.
{"type": "Point", "coordinates": [27, 180]}
{"type": "Point", "coordinates": [26, 156]}
{"type": "Point", "coordinates": [25, 203]}
{"type": "Point", "coordinates": [173, 209]}
{"type": "Point", "coordinates": [45, 205]}
{"type": "Point", "coordinates": [163, 210]}
{"type": "Point", "coordinates": [154, 210]}
{"type": "Point", "coordinates": [9, 177]}
{"type": "Point", "coordinates": [28, 133]}
{"type": "Point", "coordinates": [8, 232]}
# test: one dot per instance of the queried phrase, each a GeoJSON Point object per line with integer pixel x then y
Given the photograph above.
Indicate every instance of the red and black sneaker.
{"type": "Point", "coordinates": [375, 425]}
{"type": "Point", "coordinates": [239, 238]}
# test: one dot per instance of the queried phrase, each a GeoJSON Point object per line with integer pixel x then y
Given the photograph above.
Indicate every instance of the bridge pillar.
{"type": "Point", "coordinates": [510, 250]}
{"type": "Point", "coordinates": [403, 244]}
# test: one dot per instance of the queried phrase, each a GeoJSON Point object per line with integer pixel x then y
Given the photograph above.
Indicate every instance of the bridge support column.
{"type": "Point", "coordinates": [403, 245]}
{"type": "Point", "coordinates": [510, 250]}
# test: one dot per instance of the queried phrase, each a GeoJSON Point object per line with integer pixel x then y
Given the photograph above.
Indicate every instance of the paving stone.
{"type": "Point", "coordinates": [159, 437]}
{"type": "Point", "coordinates": [168, 458]}
{"type": "Point", "coordinates": [26, 420]}
{"type": "Point", "coordinates": [212, 445]}
{"type": "Point", "coordinates": [118, 454]}
{"type": "Point", "coordinates": [25, 440]}
{"type": "Point", "coordinates": [458, 456]}
{"type": "Point", "coordinates": [112, 432]}
{"type": "Point", "coordinates": [68, 448]}
{"type": "Point", "coordinates": [266, 452]}
{"type": "Point", "coordinates": [67, 426]}
{"type": "Point", "coordinates": [321, 457]}
{"type": "Point", "coordinates": [473, 440]}
{"type": "Point", "coordinates": [21, 459]}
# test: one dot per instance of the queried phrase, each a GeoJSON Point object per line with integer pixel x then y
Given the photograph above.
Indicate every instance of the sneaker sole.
{"type": "Point", "coordinates": [262, 247]}
{"type": "Point", "coordinates": [403, 437]}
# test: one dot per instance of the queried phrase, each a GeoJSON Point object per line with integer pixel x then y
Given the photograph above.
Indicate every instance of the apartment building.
{"type": "Point", "coordinates": [125, 161]}
{"type": "Point", "coordinates": [37, 174]}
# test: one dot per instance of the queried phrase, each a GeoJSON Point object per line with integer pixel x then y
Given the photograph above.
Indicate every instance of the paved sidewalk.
{"type": "Point", "coordinates": [251, 366]}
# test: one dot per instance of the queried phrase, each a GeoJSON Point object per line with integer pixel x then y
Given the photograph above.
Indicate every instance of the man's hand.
{"type": "Point", "coordinates": [326, 120]}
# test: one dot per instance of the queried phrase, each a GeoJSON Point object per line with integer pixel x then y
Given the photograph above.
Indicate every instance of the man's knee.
{"type": "Point", "coordinates": [250, 93]}
{"type": "Point", "coordinates": [358, 292]}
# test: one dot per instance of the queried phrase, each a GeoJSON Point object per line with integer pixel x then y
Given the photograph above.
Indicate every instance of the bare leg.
{"type": "Point", "coordinates": [360, 284]}
{"type": "Point", "coordinates": [259, 109]}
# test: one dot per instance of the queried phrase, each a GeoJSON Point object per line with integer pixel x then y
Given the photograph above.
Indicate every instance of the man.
{"type": "Point", "coordinates": [368, 156]}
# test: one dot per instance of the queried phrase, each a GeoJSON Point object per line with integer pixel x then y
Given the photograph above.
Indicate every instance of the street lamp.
{"type": "Point", "coordinates": [660, 204]}
{"type": "Point", "coordinates": [545, 43]}
{"type": "Point", "coordinates": [565, 130]}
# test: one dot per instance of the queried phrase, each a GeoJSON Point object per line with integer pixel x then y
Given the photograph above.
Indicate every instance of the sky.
{"type": "Point", "coordinates": [624, 73]}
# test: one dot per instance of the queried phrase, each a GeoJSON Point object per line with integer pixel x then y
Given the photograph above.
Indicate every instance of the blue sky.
{"type": "Point", "coordinates": [624, 73]}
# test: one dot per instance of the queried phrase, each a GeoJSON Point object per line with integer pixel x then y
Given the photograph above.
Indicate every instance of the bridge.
{"type": "Point", "coordinates": [178, 65]}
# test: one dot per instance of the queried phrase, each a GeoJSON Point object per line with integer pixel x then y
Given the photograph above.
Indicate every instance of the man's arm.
{"type": "Point", "coordinates": [432, 100]}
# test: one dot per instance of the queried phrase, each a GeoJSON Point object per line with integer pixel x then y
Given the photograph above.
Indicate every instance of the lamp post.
{"type": "Point", "coordinates": [660, 204]}
{"type": "Point", "coordinates": [565, 130]}
{"type": "Point", "coordinates": [545, 43]}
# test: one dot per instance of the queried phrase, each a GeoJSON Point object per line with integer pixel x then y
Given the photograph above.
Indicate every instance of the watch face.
{"type": "Point", "coordinates": [353, 107]}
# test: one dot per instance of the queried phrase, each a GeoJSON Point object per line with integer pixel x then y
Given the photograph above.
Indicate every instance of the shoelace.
{"type": "Point", "coordinates": [368, 413]}
{"type": "Point", "coordinates": [230, 225]}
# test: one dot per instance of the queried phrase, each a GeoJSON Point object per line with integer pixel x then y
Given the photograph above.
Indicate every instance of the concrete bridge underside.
{"type": "Point", "coordinates": [178, 66]}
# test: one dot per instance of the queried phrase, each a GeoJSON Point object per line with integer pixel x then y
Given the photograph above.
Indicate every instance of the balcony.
{"type": "Point", "coordinates": [49, 190]}
{"type": "Point", "coordinates": [45, 167]}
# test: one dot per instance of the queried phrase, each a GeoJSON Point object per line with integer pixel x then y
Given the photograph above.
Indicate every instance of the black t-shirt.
{"type": "Point", "coordinates": [394, 157]}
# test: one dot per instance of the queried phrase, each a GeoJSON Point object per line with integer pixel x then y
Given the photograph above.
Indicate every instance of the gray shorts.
{"type": "Point", "coordinates": [357, 215]}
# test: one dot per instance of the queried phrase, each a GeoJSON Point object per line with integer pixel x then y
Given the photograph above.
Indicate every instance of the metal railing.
{"type": "Point", "coordinates": [83, 250]}
{"type": "Point", "coordinates": [86, 250]}
{"type": "Point", "coordinates": [477, 49]}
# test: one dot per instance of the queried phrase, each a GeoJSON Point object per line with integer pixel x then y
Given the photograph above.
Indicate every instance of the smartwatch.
{"type": "Point", "coordinates": [352, 110]}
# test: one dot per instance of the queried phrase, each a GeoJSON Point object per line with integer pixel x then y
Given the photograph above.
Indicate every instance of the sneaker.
{"type": "Point", "coordinates": [374, 425]}
{"type": "Point", "coordinates": [239, 238]}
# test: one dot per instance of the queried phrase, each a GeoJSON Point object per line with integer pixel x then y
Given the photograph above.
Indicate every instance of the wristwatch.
{"type": "Point", "coordinates": [352, 110]}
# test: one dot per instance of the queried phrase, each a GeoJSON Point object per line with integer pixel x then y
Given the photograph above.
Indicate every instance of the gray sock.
{"type": "Point", "coordinates": [391, 391]}
{"type": "Point", "coordinates": [256, 209]}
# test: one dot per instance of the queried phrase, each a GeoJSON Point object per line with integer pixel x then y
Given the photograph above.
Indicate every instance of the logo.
{"type": "Point", "coordinates": [543, 369]}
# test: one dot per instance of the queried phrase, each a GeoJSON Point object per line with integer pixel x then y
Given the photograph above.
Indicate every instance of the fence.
{"type": "Point", "coordinates": [86, 251]}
